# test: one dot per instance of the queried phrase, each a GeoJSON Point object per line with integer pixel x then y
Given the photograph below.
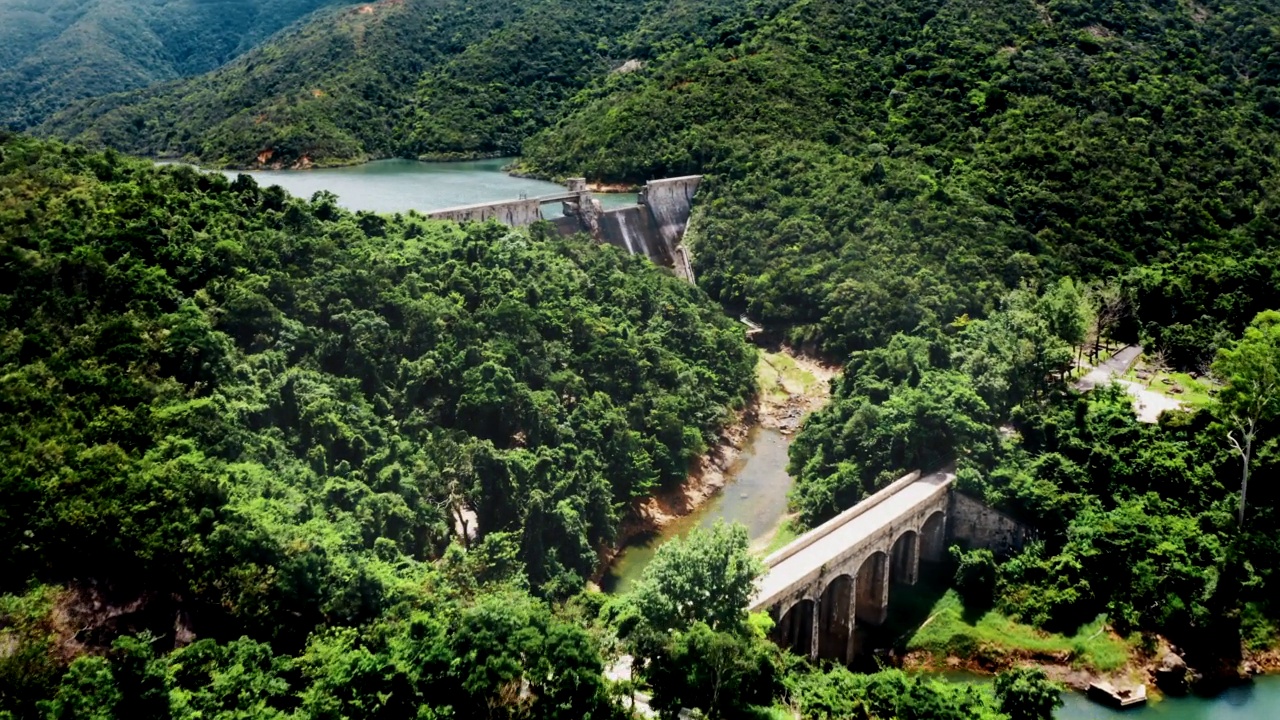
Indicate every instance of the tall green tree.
{"type": "Point", "coordinates": [1027, 694]}
{"type": "Point", "coordinates": [1251, 398]}
{"type": "Point", "coordinates": [721, 673]}
{"type": "Point", "coordinates": [708, 577]}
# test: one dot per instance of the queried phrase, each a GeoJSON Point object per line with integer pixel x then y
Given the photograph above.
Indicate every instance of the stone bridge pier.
{"type": "Point", "coordinates": [834, 582]}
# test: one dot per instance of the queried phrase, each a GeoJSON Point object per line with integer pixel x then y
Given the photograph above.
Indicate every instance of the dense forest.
{"type": "Point", "coordinates": [879, 165]}
{"type": "Point", "coordinates": [54, 52]}
{"type": "Point", "coordinates": [414, 78]}
{"type": "Point", "coordinates": [267, 458]}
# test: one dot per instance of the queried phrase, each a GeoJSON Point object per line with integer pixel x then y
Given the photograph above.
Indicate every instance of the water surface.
{"type": "Point", "coordinates": [1259, 700]}
{"type": "Point", "coordinates": [390, 186]}
{"type": "Point", "coordinates": [755, 495]}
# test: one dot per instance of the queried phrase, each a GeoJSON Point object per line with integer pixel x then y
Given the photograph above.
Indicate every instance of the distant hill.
{"type": "Point", "coordinates": [53, 52]}
{"type": "Point", "coordinates": [436, 78]}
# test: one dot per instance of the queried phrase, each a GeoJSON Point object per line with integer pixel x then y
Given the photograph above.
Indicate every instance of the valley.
{"type": "Point", "coordinates": [914, 338]}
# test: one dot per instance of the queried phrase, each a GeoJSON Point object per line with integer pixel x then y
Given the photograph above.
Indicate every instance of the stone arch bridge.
{"type": "Point", "coordinates": [835, 579]}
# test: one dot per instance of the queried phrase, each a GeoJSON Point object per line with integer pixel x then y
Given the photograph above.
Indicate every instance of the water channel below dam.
{"type": "Point", "coordinates": [1257, 700]}
{"type": "Point", "coordinates": [757, 484]}
{"type": "Point", "coordinates": [755, 494]}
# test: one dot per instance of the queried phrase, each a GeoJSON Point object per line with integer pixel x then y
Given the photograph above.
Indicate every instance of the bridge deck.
{"type": "Point", "coordinates": [784, 575]}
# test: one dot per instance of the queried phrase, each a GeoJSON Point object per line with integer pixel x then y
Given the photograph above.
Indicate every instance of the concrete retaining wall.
{"type": "Point", "coordinates": [978, 526]}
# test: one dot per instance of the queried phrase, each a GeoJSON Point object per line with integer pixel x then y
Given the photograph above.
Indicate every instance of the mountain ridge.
{"type": "Point", "coordinates": [53, 53]}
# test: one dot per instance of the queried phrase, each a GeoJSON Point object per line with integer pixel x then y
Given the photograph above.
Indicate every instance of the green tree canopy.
{"type": "Point", "coordinates": [706, 577]}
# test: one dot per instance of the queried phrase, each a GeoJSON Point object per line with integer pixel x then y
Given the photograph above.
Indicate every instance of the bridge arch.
{"type": "Point", "coordinates": [872, 588]}
{"type": "Point", "coordinates": [933, 538]}
{"type": "Point", "coordinates": [836, 609]}
{"type": "Point", "coordinates": [794, 629]}
{"type": "Point", "coordinates": [904, 567]}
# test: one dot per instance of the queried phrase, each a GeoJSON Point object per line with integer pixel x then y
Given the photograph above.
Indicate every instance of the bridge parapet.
{"type": "Point", "coordinates": [838, 521]}
{"type": "Point", "coordinates": [828, 582]}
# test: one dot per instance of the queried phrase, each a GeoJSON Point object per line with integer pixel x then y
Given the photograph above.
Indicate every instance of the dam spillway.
{"type": "Point", "coordinates": [654, 227]}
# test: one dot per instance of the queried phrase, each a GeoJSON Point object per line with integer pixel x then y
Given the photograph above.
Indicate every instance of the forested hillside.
{"type": "Point", "coordinates": [878, 165]}
{"type": "Point", "coordinates": [54, 52]}
{"type": "Point", "coordinates": [265, 458]}
{"type": "Point", "coordinates": [434, 78]}
{"type": "Point", "coordinates": [266, 405]}
{"type": "Point", "coordinates": [1143, 524]}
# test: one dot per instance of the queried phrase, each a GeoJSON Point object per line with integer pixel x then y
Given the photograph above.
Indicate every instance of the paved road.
{"type": "Point", "coordinates": [1112, 368]}
{"type": "Point", "coordinates": [787, 573]}
{"type": "Point", "coordinates": [1148, 404]}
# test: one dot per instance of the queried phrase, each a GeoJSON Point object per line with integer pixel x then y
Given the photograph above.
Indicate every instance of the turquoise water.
{"type": "Point", "coordinates": [390, 186]}
{"type": "Point", "coordinates": [1259, 700]}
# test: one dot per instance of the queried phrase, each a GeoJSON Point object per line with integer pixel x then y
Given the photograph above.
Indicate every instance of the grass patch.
{"type": "Point", "coordinates": [992, 638]}
{"type": "Point", "coordinates": [786, 532]}
{"type": "Point", "coordinates": [769, 713]}
{"type": "Point", "coordinates": [1196, 393]}
{"type": "Point", "coordinates": [781, 377]}
{"type": "Point", "coordinates": [1260, 633]}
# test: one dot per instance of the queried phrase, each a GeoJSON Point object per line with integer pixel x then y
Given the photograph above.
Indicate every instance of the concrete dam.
{"type": "Point", "coordinates": [653, 227]}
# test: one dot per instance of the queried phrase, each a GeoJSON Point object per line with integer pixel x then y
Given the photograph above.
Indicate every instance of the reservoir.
{"type": "Point", "coordinates": [392, 186]}
{"type": "Point", "coordinates": [755, 495]}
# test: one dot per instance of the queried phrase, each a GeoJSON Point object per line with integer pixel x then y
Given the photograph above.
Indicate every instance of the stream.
{"type": "Point", "coordinates": [1258, 700]}
{"type": "Point", "coordinates": [755, 495]}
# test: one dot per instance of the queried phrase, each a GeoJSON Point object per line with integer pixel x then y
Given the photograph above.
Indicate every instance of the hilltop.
{"type": "Point", "coordinates": [405, 78]}
{"type": "Point", "coordinates": [54, 52]}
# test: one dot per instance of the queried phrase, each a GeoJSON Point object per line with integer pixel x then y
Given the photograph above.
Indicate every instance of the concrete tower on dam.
{"type": "Point", "coordinates": [653, 227]}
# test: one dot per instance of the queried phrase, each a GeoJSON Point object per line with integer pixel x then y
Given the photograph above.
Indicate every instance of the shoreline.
{"type": "Point", "coordinates": [769, 408]}
{"type": "Point", "coordinates": [307, 162]}
{"type": "Point", "coordinates": [1140, 669]}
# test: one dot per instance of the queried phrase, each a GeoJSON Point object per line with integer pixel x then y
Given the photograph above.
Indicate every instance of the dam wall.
{"type": "Point", "coordinates": [635, 230]}
{"type": "Point", "coordinates": [516, 213]}
{"type": "Point", "coordinates": [653, 227]}
{"type": "Point", "coordinates": [670, 202]}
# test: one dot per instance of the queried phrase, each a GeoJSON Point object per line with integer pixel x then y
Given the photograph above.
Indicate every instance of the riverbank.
{"type": "Point", "coordinates": [790, 387]}
{"type": "Point", "coordinates": [951, 639]}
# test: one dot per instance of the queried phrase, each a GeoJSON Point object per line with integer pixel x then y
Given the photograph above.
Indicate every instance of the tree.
{"type": "Point", "coordinates": [1108, 306]}
{"type": "Point", "coordinates": [1027, 694]}
{"type": "Point", "coordinates": [707, 577]}
{"type": "Point", "coordinates": [721, 673]}
{"type": "Point", "coordinates": [1067, 312]}
{"type": "Point", "coordinates": [88, 692]}
{"type": "Point", "coordinates": [975, 578]}
{"type": "Point", "coordinates": [1251, 371]}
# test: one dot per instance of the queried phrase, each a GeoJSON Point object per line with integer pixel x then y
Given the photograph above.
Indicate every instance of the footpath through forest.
{"type": "Point", "coordinates": [1148, 404]}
